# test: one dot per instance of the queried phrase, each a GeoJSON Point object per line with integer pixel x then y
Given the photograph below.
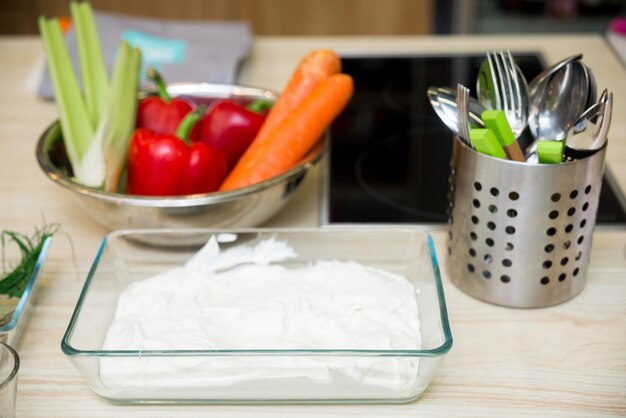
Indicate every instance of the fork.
{"type": "Point", "coordinates": [516, 91]}
{"type": "Point", "coordinates": [511, 96]}
{"type": "Point", "coordinates": [462, 111]}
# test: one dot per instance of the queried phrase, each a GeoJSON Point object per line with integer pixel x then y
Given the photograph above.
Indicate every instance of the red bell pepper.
{"type": "Point", "coordinates": [161, 114]}
{"type": "Point", "coordinates": [230, 127]}
{"type": "Point", "coordinates": [170, 165]}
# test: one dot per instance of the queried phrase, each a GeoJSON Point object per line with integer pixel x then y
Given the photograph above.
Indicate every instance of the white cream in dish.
{"type": "Point", "coordinates": [238, 300]}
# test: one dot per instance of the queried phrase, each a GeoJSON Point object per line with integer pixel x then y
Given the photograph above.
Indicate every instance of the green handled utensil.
{"type": "Point", "coordinates": [550, 152]}
{"type": "Point", "coordinates": [496, 121]}
{"type": "Point", "coordinates": [485, 141]}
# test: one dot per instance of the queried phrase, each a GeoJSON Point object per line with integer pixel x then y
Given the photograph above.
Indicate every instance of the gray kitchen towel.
{"type": "Point", "coordinates": [209, 51]}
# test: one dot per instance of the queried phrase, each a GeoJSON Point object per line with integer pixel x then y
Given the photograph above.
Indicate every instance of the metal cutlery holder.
{"type": "Point", "coordinates": [520, 234]}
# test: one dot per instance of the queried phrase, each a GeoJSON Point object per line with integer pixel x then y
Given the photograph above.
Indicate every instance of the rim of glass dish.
{"type": "Point", "coordinates": [446, 345]}
{"type": "Point", "coordinates": [16, 365]}
{"type": "Point", "coordinates": [19, 308]}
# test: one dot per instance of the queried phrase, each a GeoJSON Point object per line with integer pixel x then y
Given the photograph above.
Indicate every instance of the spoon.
{"type": "Point", "coordinates": [486, 86]}
{"type": "Point", "coordinates": [589, 132]}
{"type": "Point", "coordinates": [537, 83]}
{"type": "Point", "coordinates": [443, 101]}
{"type": "Point", "coordinates": [560, 102]}
{"type": "Point", "coordinates": [593, 87]}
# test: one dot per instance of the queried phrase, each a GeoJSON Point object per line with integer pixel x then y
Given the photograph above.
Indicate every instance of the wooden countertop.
{"type": "Point", "coordinates": [568, 360]}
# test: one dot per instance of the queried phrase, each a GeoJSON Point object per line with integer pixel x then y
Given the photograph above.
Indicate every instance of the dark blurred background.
{"type": "Point", "coordinates": [348, 17]}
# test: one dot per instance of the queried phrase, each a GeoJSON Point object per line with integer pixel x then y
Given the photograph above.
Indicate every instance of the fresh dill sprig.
{"type": "Point", "coordinates": [14, 281]}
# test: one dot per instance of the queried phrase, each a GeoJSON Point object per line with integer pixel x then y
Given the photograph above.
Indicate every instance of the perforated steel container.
{"type": "Point", "coordinates": [520, 234]}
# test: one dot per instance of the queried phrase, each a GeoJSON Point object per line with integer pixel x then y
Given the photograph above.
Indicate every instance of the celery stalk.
{"type": "Point", "coordinates": [96, 129]}
{"type": "Point", "coordinates": [77, 131]}
{"type": "Point", "coordinates": [93, 69]}
{"type": "Point", "coordinates": [116, 147]}
{"type": "Point", "coordinates": [92, 166]}
{"type": "Point", "coordinates": [105, 159]}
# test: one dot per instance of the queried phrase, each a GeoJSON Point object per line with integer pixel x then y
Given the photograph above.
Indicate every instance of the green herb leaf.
{"type": "Point", "coordinates": [14, 281]}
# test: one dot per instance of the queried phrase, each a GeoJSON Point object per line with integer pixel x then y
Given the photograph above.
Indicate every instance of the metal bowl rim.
{"type": "Point", "coordinates": [228, 90]}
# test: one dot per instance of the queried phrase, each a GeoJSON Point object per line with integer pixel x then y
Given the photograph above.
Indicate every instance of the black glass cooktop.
{"type": "Point", "coordinates": [389, 152]}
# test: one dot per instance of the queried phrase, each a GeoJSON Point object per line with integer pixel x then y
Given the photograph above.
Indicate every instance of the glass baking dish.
{"type": "Point", "coordinates": [12, 326]}
{"type": "Point", "coordinates": [341, 375]}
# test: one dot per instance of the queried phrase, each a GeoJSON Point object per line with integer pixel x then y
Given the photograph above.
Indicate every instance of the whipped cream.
{"type": "Point", "coordinates": [238, 300]}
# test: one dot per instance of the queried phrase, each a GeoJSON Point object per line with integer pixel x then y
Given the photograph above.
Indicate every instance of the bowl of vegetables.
{"type": "Point", "coordinates": [241, 207]}
{"type": "Point", "coordinates": [181, 154]}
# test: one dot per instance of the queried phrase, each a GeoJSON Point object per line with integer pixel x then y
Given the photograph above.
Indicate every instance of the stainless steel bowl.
{"type": "Point", "coordinates": [245, 207]}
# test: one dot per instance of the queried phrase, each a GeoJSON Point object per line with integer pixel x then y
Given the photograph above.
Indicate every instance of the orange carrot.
{"type": "Point", "coordinates": [295, 135]}
{"type": "Point", "coordinates": [313, 69]}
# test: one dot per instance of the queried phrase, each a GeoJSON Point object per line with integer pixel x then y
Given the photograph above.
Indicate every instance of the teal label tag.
{"type": "Point", "coordinates": [155, 51]}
